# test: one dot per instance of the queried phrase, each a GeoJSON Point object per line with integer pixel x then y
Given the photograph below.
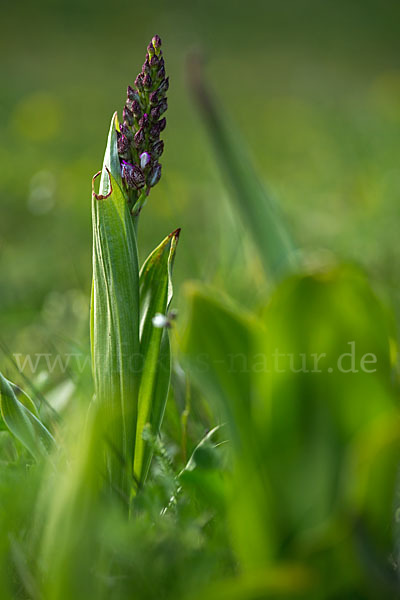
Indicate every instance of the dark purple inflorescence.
{"type": "Point", "coordinates": [139, 144]}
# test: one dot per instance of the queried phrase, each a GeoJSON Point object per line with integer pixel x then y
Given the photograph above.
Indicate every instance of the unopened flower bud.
{"type": "Point", "coordinates": [156, 41]}
{"type": "Point", "coordinates": [157, 149]}
{"type": "Point", "coordinates": [127, 116]}
{"type": "Point", "coordinates": [161, 73]}
{"type": "Point", "coordinates": [146, 67]}
{"type": "Point", "coordinates": [136, 109]}
{"type": "Point", "coordinates": [153, 98]}
{"type": "Point", "coordinates": [163, 87]}
{"type": "Point", "coordinates": [161, 124]}
{"type": "Point", "coordinates": [139, 138]}
{"type": "Point", "coordinates": [150, 50]}
{"type": "Point", "coordinates": [155, 175]}
{"type": "Point", "coordinates": [154, 62]}
{"type": "Point", "coordinates": [132, 94]}
{"type": "Point", "coordinates": [158, 110]}
{"type": "Point", "coordinates": [144, 120]}
{"type": "Point", "coordinates": [123, 144]}
{"type": "Point", "coordinates": [132, 175]}
{"type": "Point", "coordinates": [147, 83]}
{"type": "Point", "coordinates": [126, 131]}
{"type": "Point", "coordinates": [145, 160]}
{"type": "Point", "coordinates": [139, 82]}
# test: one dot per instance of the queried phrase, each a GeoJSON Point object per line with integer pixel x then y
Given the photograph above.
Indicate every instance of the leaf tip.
{"type": "Point", "coordinates": [101, 196]}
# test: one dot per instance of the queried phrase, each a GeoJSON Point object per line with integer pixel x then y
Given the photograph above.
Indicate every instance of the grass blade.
{"type": "Point", "coordinates": [259, 212]}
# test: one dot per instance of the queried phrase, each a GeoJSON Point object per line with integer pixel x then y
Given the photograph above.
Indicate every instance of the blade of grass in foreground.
{"type": "Point", "coordinates": [257, 209]}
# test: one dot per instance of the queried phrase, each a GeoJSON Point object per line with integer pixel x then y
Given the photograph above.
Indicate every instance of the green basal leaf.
{"type": "Point", "coordinates": [23, 422]}
{"type": "Point", "coordinates": [114, 319]}
{"type": "Point", "coordinates": [155, 298]}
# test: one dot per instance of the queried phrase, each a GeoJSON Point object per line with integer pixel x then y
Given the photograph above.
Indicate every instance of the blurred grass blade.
{"type": "Point", "coordinates": [114, 318]}
{"type": "Point", "coordinates": [155, 298]}
{"type": "Point", "coordinates": [259, 212]}
{"type": "Point", "coordinates": [23, 399]}
{"type": "Point", "coordinates": [23, 423]}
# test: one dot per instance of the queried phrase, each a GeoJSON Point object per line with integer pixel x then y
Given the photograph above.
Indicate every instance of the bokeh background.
{"type": "Point", "coordinates": [312, 86]}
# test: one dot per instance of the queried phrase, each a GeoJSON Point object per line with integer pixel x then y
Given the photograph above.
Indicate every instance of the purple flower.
{"type": "Point", "coordinates": [132, 174]}
{"type": "Point", "coordinates": [145, 160]}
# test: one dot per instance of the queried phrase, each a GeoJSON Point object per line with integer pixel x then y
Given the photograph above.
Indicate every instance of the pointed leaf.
{"type": "Point", "coordinates": [23, 423]}
{"type": "Point", "coordinates": [155, 297]}
{"type": "Point", "coordinates": [114, 318]}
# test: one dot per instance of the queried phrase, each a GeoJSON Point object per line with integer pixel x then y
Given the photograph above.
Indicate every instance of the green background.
{"type": "Point", "coordinates": [313, 87]}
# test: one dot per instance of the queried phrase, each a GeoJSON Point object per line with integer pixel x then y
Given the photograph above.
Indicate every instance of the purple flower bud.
{"type": "Point", "coordinates": [154, 132]}
{"type": "Point", "coordinates": [146, 67]}
{"type": "Point", "coordinates": [136, 109]}
{"type": "Point", "coordinates": [139, 138]}
{"type": "Point", "coordinates": [157, 149]}
{"type": "Point", "coordinates": [161, 72]}
{"type": "Point", "coordinates": [139, 82]}
{"type": "Point", "coordinates": [150, 49]}
{"type": "Point", "coordinates": [126, 131]}
{"type": "Point", "coordinates": [123, 144]}
{"type": "Point", "coordinates": [144, 120]}
{"type": "Point", "coordinates": [155, 175]}
{"type": "Point", "coordinates": [127, 116]}
{"type": "Point", "coordinates": [145, 160]}
{"type": "Point", "coordinates": [155, 113]}
{"type": "Point", "coordinates": [154, 62]}
{"type": "Point", "coordinates": [153, 98]}
{"type": "Point", "coordinates": [157, 128]}
{"type": "Point", "coordinates": [132, 175]}
{"type": "Point", "coordinates": [158, 110]}
{"type": "Point", "coordinates": [156, 41]}
{"type": "Point", "coordinates": [163, 87]}
{"type": "Point", "coordinates": [132, 94]}
{"type": "Point", "coordinates": [161, 124]}
{"type": "Point", "coordinates": [147, 83]}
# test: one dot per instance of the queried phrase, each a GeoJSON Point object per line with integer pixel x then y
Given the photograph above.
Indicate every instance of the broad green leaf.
{"type": "Point", "coordinates": [115, 319]}
{"type": "Point", "coordinates": [217, 345]}
{"type": "Point", "coordinates": [22, 423]}
{"type": "Point", "coordinates": [155, 298]}
{"type": "Point", "coordinates": [259, 211]}
{"type": "Point", "coordinates": [328, 409]}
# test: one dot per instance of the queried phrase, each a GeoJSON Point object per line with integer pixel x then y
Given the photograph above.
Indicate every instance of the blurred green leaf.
{"type": "Point", "coordinates": [218, 341]}
{"type": "Point", "coordinates": [22, 422]}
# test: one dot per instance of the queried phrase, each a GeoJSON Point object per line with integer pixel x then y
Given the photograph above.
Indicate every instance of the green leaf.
{"type": "Point", "coordinates": [259, 211]}
{"type": "Point", "coordinates": [155, 298]}
{"type": "Point", "coordinates": [23, 423]}
{"type": "Point", "coordinates": [23, 399]}
{"type": "Point", "coordinates": [218, 341]}
{"type": "Point", "coordinates": [111, 159]}
{"type": "Point", "coordinates": [115, 319]}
